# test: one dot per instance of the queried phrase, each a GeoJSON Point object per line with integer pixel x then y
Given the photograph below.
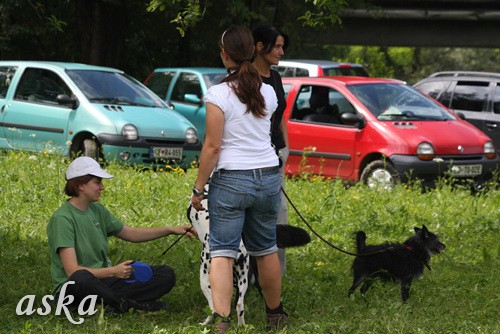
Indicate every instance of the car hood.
{"type": "Point", "coordinates": [150, 122]}
{"type": "Point", "coordinates": [447, 137]}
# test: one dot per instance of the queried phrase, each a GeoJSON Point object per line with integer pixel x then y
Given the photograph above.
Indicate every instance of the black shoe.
{"type": "Point", "coordinates": [150, 306]}
{"type": "Point", "coordinates": [111, 310]}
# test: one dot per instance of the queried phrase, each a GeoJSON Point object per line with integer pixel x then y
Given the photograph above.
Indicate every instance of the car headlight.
{"type": "Point", "coordinates": [129, 132]}
{"type": "Point", "coordinates": [425, 151]}
{"type": "Point", "coordinates": [191, 136]}
{"type": "Point", "coordinates": [489, 150]}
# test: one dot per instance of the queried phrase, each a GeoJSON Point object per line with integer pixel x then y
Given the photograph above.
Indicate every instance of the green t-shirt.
{"type": "Point", "coordinates": [85, 231]}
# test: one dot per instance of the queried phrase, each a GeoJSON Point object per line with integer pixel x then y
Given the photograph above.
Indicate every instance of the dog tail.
{"type": "Point", "coordinates": [360, 241]}
{"type": "Point", "coordinates": [291, 236]}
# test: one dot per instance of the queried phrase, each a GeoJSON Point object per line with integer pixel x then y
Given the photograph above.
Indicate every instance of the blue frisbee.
{"type": "Point", "coordinates": [142, 272]}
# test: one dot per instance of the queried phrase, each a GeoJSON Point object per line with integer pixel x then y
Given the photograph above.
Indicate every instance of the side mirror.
{"type": "Point", "coordinates": [461, 115]}
{"type": "Point", "coordinates": [350, 118]}
{"type": "Point", "coordinates": [193, 98]}
{"type": "Point", "coordinates": [169, 104]}
{"type": "Point", "coordinates": [68, 101]}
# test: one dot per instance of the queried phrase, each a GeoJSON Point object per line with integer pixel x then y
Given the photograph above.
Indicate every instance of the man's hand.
{"type": "Point", "coordinates": [123, 270]}
{"type": "Point", "coordinates": [179, 230]}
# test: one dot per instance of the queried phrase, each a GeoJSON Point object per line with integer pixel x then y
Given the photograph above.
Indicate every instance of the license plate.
{"type": "Point", "coordinates": [466, 170]}
{"type": "Point", "coordinates": [165, 152]}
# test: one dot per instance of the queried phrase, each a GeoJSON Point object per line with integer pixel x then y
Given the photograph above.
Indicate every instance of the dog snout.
{"type": "Point", "coordinates": [438, 248]}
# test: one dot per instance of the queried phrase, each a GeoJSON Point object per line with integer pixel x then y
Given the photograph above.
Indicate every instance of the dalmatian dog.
{"type": "Point", "coordinates": [241, 268]}
{"type": "Point", "coordinates": [244, 273]}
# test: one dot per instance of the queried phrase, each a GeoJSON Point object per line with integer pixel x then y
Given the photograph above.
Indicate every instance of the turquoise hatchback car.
{"type": "Point", "coordinates": [184, 88]}
{"type": "Point", "coordinates": [78, 109]}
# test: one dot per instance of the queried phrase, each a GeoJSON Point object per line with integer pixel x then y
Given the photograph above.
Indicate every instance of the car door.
{"type": "Point", "coordinates": [316, 147]}
{"type": "Point", "coordinates": [6, 75]}
{"type": "Point", "coordinates": [186, 96]}
{"type": "Point", "coordinates": [33, 120]}
{"type": "Point", "coordinates": [492, 121]}
{"type": "Point", "coordinates": [159, 82]}
{"type": "Point", "coordinates": [471, 99]}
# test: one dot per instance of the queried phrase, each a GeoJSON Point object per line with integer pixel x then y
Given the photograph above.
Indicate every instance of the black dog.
{"type": "Point", "coordinates": [395, 262]}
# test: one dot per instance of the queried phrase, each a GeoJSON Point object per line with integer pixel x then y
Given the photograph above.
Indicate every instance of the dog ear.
{"type": "Point", "coordinates": [424, 232]}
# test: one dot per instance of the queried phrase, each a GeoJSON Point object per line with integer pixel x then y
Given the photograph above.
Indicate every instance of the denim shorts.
{"type": "Point", "coordinates": [244, 203]}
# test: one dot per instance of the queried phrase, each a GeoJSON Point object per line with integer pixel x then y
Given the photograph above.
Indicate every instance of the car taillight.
{"type": "Point", "coordinates": [489, 150]}
{"type": "Point", "coordinates": [425, 151]}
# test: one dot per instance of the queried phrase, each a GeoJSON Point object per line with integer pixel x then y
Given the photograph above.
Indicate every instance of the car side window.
{"type": "Point", "coordinates": [320, 104]}
{"type": "Point", "coordinates": [41, 86]}
{"type": "Point", "coordinates": [433, 88]}
{"type": "Point", "coordinates": [6, 74]}
{"type": "Point", "coordinates": [470, 95]}
{"type": "Point", "coordinates": [187, 83]}
{"type": "Point", "coordinates": [287, 71]}
{"type": "Point", "coordinates": [496, 100]}
{"type": "Point", "coordinates": [159, 82]}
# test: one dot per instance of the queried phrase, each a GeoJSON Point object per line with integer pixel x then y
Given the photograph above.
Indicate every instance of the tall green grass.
{"type": "Point", "coordinates": [459, 295]}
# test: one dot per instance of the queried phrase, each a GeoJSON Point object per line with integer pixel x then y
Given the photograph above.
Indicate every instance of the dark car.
{"type": "Point", "coordinates": [475, 95]}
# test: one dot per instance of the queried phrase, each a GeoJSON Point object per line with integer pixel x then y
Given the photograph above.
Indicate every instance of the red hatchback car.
{"type": "Point", "coordinates": [380, 132]}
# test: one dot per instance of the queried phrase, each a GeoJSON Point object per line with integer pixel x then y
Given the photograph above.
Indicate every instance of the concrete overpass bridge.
{"type": "Point", "coordinates": [424, 23]}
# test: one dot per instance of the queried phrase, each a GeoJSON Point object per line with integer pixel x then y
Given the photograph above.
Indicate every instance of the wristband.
{"type": "Point", "coordinates": [197, 193]}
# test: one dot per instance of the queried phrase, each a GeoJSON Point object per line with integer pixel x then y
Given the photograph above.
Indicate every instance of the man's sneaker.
{"type": "Point", "coordinates": [276, 321]}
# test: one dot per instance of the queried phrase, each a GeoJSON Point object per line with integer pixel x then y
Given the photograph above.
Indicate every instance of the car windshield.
{"type": "Point", "coordinates": [391, 102]}
{"type": "Point", "coordinates": [116, 88]}
{"type": "Point", "coordinates": [213, 78]}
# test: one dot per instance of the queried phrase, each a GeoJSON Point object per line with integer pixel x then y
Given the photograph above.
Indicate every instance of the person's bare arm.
{"type": "Point", "coordinates": [211, 149]}
{"type": "Point", "coordinates": [140, 234]}
{"type": "Point", "coordinates": [70, 264]}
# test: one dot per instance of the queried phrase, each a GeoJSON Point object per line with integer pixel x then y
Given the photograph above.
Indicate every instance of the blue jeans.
{"type": "Point", "coordinates": [244, 202]}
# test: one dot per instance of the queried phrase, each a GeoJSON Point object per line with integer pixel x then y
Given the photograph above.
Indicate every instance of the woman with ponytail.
{"type": "Point", "coordinates": [242, 168]}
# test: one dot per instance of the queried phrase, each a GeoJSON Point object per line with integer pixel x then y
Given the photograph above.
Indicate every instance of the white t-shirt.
{"type": "Point", "coordinates": [246, 142]}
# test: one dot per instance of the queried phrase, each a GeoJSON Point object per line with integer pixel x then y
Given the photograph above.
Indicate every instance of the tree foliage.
{"type": "Point", "coordinates": [140, 36]}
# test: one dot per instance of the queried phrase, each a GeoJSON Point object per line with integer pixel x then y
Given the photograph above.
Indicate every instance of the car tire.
{"type": "Point", "coordinates": [90, 148]}
{"type": "Point", "coordinates": [380, 174]}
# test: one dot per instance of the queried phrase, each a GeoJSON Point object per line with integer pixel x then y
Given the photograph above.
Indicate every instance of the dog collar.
{"type": "Point", "coordinates": [410, 248]}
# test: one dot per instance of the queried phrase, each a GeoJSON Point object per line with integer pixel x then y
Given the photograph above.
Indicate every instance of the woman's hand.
{"type": "Point", "coordinates": [196, 201]}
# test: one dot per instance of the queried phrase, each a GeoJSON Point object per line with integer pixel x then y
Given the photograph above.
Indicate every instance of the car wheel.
{"type": "Point", "coordinates": [90, 148]}
{"type": "Point", "coordinates": [380, 174]}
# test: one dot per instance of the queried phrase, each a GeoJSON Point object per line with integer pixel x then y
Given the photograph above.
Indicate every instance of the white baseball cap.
{"type": "Point", "coordinates": [85, 166]}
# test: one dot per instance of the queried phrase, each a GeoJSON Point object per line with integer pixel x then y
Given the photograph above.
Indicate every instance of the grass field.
{"type": "Point", "coordinates": [459, 295]}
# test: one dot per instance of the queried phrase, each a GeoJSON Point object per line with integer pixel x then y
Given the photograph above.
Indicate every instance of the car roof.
{"type": "Point", "coordinates": [472, 74]}
{"type": "Point", "coordinates": [202, 70]}
{"type": "Point", "coordinates": [321, 63]}
{"type": "Point", "coordinates": [56, 64]}
{"type": "Point", "coordinates": [345, 80]}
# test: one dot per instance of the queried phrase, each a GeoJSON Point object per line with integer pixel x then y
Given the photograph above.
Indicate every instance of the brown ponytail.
{"type": "Point", "coordinates": [244, 79]}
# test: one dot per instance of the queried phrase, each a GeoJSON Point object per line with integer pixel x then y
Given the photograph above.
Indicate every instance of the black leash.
{"type": "Point", "coordinates": [323, 239]}
{"type": "Point", "coordinates": [169, 247]}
